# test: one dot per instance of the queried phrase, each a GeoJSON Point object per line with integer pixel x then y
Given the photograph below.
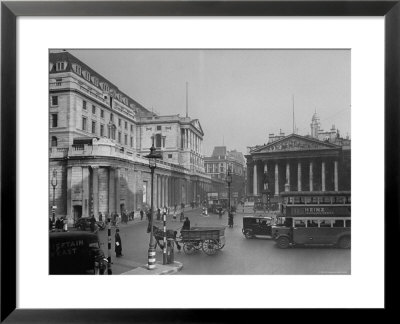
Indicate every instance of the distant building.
{"type": "Point", "coordinates": [218, 164]}
{"type": "Point", "coordinates": [98, 140]}
{"type": "Point", "coordinates": [317, 162]}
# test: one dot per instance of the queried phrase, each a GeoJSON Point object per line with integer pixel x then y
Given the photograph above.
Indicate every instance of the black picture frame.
{"type": "Point", "coordinates": [11, 10]}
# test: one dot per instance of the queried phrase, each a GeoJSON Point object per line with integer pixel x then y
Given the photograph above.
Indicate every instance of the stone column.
{"type": "Point", "coordinates": [95, 191]}
{"type": "Point", "coordinates": [85, 191]}
{"type": "Point", "coordinates": [276, 179]}
{"type": "Point", "coordinates": [311, 177]}
{"type": "Point", "coordinates": [287, 175]}
{"type": "Point", "coordinates": [336, 176]}
{"type": "Point", "coordinates": [70, 215]}
{"type": "Point", "coordinates": [255, 187]}
{"type": "Point", "coordinates": [117, 174]}
{"type": "Point", "coordinates": [323, 175]}
{"type": "Point", "coordinates": [111, 191]}
{"type": "Point", "coordinates": [299, 176]}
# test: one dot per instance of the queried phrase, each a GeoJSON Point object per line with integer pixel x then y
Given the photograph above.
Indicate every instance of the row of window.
{"type": "Point", "coordinates": [111, 132]}
{"type": "Point", "coordinates": [322, 223]}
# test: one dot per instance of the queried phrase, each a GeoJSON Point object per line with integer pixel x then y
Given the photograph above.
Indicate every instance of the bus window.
{"type": "Point", "coordinates": [325, 223]}
{"type": "Point", "coordinates": [338, 223]}
{"type": "Point", "coordinates": [308, 200]}
{"type": "Point", "coordinates": [326, 200]}
{"type": "Point", "coordinates": [299, 223]}
{"type": "Point", "coordinates": [312, 223]}
{"type": "Point", "coordinates": [348, 223]}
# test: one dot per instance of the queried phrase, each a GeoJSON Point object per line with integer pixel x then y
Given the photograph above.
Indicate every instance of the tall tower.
{"type": "Point", "coordinates": [315, 125]}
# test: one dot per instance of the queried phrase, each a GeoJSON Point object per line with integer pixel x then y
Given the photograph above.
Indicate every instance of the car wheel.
{"type": "Point", "coordinates": [345, 242]}
{"type": "Point", "coordinates": [248, 234]}
{"type": "Point", "coordinates": [283, 242]}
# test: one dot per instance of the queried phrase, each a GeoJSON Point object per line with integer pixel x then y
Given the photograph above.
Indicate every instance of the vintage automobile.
{"type": "Point", "coordinates": [75, 253]}
{"type": "Point", "coordinates": [257, 226]}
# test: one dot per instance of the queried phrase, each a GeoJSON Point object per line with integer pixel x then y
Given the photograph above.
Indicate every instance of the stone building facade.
{"type": "Point", "coordinates": [300, 163]}
{"type": "Point", "coordinates": [219, 163]}
{"type": "Point", "coordinates": [98, 140]}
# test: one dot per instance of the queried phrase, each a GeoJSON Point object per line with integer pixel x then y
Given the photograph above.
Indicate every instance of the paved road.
{"type": "Point", "coordinates": [239, 256]}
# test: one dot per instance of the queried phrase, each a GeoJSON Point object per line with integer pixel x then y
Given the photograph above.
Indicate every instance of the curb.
{"type": "Point", "coordinates": [177, 267]}
{"type": "Point", "coordinates": [142, 270]}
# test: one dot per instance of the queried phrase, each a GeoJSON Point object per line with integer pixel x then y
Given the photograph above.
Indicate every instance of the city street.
{"type": "Point", "coordinates": [239, 256]}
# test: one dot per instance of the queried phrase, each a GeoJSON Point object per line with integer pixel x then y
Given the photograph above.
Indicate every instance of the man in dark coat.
{"type": "Point", "coordinates": [141, 214]}
{"type": "Point", "coordinates": [118, 244]}
{"type": "Point", "coordinates": [186, 224]}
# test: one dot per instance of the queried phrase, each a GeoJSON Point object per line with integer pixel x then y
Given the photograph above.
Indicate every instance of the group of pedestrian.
{"type": "Point", "coordinates": [60, 225]}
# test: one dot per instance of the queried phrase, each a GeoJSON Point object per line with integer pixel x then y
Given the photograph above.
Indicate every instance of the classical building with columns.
{"type": "Point", "coordinates": [299, 163]}
{"type": "Point", "coordinates": [98, 140]}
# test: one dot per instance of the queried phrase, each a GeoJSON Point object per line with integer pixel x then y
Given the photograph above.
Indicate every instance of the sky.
{"type": "Point", "coordinates": [239, 96]}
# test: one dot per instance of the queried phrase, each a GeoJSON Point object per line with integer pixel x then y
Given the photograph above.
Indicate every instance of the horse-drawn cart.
{"type": "Point", "coordinates": [210, 239]}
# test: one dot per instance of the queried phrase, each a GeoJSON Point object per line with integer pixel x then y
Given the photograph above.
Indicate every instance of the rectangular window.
{"type": "Point", "coordinates": [93, 127]}
{"type": "Point", "coordinates": [101, 130]}
{"type": "Point", "coordinates": [84, 105]}
{"type": "Point", "coordinates": [84, 123]}
{"type": "Point", "coordinates": [169, 156]}
{"type": "Point", "coordinates": [131, 128]}
{"type": "Point", "coordinates": [126, 139]}
{"type": "Point", "coordinates": [119, 121]}
{"type": "Point", "coordinates": [163, 142]}
{"type": "Point", "coordinates": [111, 117]}
{"type": "Point", "coordinates": [93, 109]}
{"type": "Point", "coordinates": [338, 223]}
{"type": "Point", "coordinates": [54, 120]}
{"type": "Point", "coordinates": [299, 223]}
{"type": "Point", "coordinates": [102, 113]}
{"type": "Point", "coordinates": [119, 137]}
{"type": "Point", "coordinates": [131, 141]}
{"type": "Point", "coordinates": [312, 223]}
{"type": "Point", "coordinates": [126, 125]}
{"type": "Point", "coordinates": [158, 127]}
{"type": "Point", "coordinates": [348, 223]}
{"type": "Point", "coordinates": [54, 100]}
{"type": "Point", "coordinates": [324, 223]}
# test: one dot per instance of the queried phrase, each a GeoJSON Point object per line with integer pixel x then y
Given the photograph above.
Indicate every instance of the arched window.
{"type": "Point", "coordinates": [53, 141]}
{"type": "Point", "coordinates": [158, 140]}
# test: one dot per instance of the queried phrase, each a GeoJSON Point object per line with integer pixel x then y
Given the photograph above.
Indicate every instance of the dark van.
{"type": "Point", "coordinates": [257, 225]}
{"type": "Point", "coordinates": [76, 253]}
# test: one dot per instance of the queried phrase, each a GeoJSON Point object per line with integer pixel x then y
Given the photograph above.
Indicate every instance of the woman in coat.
{"type": "Point", "coordinates": [118, 243]}
{"type": "Point", "coordinates": [186, 224]}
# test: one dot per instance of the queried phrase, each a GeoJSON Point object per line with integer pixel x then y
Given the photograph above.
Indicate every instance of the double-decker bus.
{"type": "Point", "coordinates": [314, 218]}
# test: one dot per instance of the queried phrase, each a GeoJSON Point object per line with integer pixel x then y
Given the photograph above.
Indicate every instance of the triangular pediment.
{"type": "Point", "coordinates": [196, 124]}
{"type": "Point", "coordinates": [294, 142]}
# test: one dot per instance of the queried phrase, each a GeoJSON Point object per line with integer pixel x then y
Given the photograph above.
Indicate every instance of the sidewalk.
{"type": "Point", "coordinates": [160, 269]}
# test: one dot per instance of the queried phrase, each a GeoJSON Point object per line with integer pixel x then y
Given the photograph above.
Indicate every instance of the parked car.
{"type": "Point", "coordinates": [257, 225]}
{"type": "Point", "coordinates": [76, 253]}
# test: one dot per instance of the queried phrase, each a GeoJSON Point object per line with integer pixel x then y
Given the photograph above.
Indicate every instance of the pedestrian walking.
{"type": "Point", "coordinates": [182, 216]}
{"type": "Point", "coordinates": [158, 213]}
{"type": "Point", "coordinates": [118, 244]}
{"type": "Point", "coordinates": [100, 217]}
{"type": "Point", "coordinates": [65, 225]}
{"type": "Point", "coordinates": [141, 214]}
{"type": "Point", "coordinates": [92, 223]}
{"type": "Point", "coordinates": [230, 220]}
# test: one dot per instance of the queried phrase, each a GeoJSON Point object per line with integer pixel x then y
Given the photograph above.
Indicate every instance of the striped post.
{"type": "Point", "coordinates": [165, 238]}
{"type": "Point", "coordinates": [109, 272]}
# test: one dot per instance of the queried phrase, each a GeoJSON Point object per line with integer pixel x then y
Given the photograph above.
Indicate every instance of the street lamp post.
{"type": "Point", "coordinates": [54, 185]}
{"type": "Point", "coordinates": [229, 180]}
{"type": "Point", "coordinates": [152, 248]}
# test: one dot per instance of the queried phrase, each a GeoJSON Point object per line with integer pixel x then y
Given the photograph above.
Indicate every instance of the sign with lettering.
{"type": "Point", "coordinates": [315, 210]}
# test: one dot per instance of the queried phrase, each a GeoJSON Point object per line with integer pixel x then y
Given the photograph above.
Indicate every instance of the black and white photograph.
{"type": "Point", "coordinates": [199, 161]}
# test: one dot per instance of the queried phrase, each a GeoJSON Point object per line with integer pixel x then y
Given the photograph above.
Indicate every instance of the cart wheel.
{"type": "Point", "coordinates": [197, 245]}
{"type": "Point", "coordinates": [210, 247]}
{"type": "Point", "coordinates": [188, 248]}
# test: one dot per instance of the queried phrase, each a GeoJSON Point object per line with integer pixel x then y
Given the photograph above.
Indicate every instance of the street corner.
{"type": "Point", "coordinates": [172, 268]}
{"type": "Point", "coordinates": [160, 269]}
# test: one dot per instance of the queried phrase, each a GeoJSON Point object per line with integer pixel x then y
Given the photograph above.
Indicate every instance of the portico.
{"type": "Point", "coordinates": [297, 163]}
